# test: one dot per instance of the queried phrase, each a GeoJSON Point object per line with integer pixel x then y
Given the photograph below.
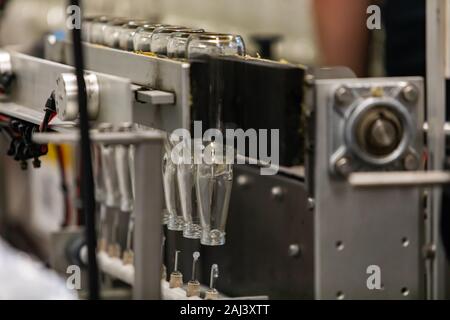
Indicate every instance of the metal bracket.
{"type": "Point", "coordinates": [153, 97]}
{"type": "Point", "coordinates": [35, 79]}
{"type": "Point", "coordinates": [160, 74]}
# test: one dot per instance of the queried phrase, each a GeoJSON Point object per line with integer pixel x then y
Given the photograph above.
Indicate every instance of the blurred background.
{"type": "Point", "coordinates": [25, 21]}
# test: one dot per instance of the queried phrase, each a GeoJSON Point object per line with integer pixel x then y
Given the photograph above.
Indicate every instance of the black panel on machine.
{"type": "Point", "coordinates": [247, 93]}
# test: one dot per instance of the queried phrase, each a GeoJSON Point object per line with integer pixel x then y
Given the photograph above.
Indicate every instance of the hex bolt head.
{"type": "Point", "coordinates": [343, 95]}
{"type": "Point", "coordinates": [294, 250]}
{"type": "Point", "coordinates": [343, 166]}
{"type": "Point", "coordinates": [411, 162]}
{"type": "Point", "coordinates": [410, 93]}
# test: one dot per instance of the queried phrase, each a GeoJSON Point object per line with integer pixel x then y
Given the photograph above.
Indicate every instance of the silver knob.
{"type": "Point", "coordinates": [67, 96]}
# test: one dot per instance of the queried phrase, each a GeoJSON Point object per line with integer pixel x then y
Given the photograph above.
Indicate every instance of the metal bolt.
{"type": "Point", "coordinates": [383, 133]}
{"type": "Point", "coordinates": [311, 204]}
{"type": "Point", "coordinates": [309, 79]}
{"type": "Point", "coordinates": [294, 250]}
{"type": "Point", "coordinates": [410, 93]}
{"type": "Point", "coordinates": [343, 166]}
{"type": "Point", "coordinates": [243, 181]}
{"type": "Point", "coordinates": [277, 193]}
{"type": "Point", "coordinates": [429, 252]}
{"type": "Point", "coordinates": [411, 162]}
{"type": "Point", "coordinates": [344, 95]}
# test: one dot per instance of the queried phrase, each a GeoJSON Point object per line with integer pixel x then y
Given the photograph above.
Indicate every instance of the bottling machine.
{"type": "Point", "coordinates": [357, 166]}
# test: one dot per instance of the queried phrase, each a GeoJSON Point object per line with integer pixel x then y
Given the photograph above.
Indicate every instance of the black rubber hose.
{"type": "Point", "coordinates": [87, 178]}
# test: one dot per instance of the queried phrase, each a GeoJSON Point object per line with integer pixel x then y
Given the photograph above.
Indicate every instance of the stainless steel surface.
{"type": "Point", "coordinates": [436, 114]}
{"type": "Point", "coordinates": [72, 137]}
{"type": "Point", "coordinates": [147, 71]}
{"type": "Point", "coordinates": [358, 228]}
{"type": "Point", "coordinates": [33, 116]}
{"type": "Point", "coordinates": [123, 163]}
{"type": "Point", "coordinates": [373, 125]}
{"type": "Point", "coordinates": [446, 128]}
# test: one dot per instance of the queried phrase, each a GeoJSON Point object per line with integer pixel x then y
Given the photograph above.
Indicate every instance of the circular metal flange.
{"type": "Point", "coordinates": [393, 130]}
{"type": "Point", "coordinates": [66, 95]}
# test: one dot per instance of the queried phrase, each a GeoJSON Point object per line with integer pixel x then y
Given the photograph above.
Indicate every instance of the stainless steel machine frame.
{"type": "Point", "coordinates": [342, 244]}
{"type": "Point", "coordinates": [358, 228]}
{"type": "Point", "coordinates": [148, 210]}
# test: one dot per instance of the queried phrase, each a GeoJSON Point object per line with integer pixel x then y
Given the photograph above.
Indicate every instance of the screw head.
{"type": "Point", "coordinates": [411, 162]}
{"type": "Point", "coordinates": [243, 181]}
{"type": "Point", "coordinates": [294, 250]}
{"type": "Point", "coordinates": [429, 251]}
{"type": "Point", "coordinates": [343, 166]}
{"type": "Point", "coordinates": [410, 93]}
{"type": "Point", "coordinates": [344, 95]}
{"type": "Point", "coordinates": [277, 193]}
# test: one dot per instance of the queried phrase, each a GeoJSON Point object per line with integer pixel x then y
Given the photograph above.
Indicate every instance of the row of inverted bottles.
{"type": "Point", "coordinates": [197, 190]}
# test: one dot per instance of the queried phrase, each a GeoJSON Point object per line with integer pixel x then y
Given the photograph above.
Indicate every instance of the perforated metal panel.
{"type": "Point", "coordinates": [355, 229]}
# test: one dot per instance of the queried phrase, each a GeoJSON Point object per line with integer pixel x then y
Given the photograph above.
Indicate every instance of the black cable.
{"type": "Point", "coordinates": [49, 112]}
{"type": "Point", "coordinates": [87, 178]}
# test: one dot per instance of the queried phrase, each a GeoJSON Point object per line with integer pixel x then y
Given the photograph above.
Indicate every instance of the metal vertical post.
{"type": "Point", "coordinates": [148, 229]}
{"type": "Point", "coordinates": [436, 111]}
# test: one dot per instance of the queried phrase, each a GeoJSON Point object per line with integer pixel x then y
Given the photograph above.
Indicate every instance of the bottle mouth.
{"type": "Point", "coordinates": [215, 36]}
